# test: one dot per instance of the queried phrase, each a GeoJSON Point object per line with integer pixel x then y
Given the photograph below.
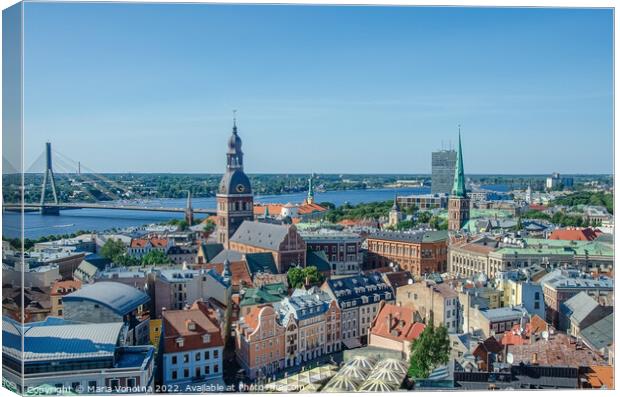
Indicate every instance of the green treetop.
{"type": "Point", "coordinates": [429, 350]}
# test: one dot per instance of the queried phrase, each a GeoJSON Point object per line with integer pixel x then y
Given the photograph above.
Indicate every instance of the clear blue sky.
{"type": "Point", "coordinates": [150, 88]}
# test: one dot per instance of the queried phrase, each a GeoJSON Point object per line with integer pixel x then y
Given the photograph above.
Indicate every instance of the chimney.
{"type": "Point", "coordinates": [389, 322]}
{"type": "Point", "coordinates": [535, 358]}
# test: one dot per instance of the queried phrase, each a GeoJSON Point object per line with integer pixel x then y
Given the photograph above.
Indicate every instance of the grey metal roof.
{"type": "Point", "coordinates": [503, 313]}
{"type": "Point", "coordinates": [411, 237]}
{"type": "Point", "coordinates": [600, 334]}
{"type": "Point", "coordinates": [121, 298]}
{"type": "Point", "coordinates": [353, 288]}
{"type": "Point", "coordinates": [579, 307]}
{"type": "Point", "coordinates": [260, 234]}
{"type": "Point", "coordinates": [573, 279]}
{"type": "Point", "coordinates": [224, 255]}
{"type": "Point", "coordinates": [304, 305]}
{"type": "Point", "coordinates": [57, 342]}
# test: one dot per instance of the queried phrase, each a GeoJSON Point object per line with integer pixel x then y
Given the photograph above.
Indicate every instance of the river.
{"type": "Point", "coordinates": [70, 221]}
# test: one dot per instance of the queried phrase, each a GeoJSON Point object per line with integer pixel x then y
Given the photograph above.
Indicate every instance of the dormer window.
{"type": "Point", "coordinates": [206, 338]}
{"type": "Point", "coordinates": [179, 342]}
{"type": "Point", "coordinates": [191, 326]}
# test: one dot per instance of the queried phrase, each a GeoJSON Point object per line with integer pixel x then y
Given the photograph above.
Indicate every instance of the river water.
{"type": "Point", "coordinates": [70, 221]}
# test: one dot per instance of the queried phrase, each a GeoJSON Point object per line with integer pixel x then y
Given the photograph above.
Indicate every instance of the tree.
{"type": "Point", "coordinates": [437, 223]}
{"type": "Point", "coordinates": [297, 276]}
{"type": "Point", "coordinates": [405, 225]}
{"type": "Point", "coordinates": [328, 205]}
{"type": "Point", "coordinates": [112, 249]}
{"type": "Point", "coordinates": [126, 260]}
{"type": "Point", "coordinates": [209, 226]}
{"type": "Point", "coordinates": [424, 216]}
{"type": "Point", "coordinates": [155, 257]}
{"type": "Point", "coordinates": [432, 348]}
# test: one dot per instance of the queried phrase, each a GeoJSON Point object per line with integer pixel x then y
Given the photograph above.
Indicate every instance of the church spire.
{"type": "Point", "coordinates": [310, 198]}
{"type": "Point", "coordinates": [235, 154]}
{"type": "Point", "coordinates": [458, 189]}
{"type": "Point", "coordinates": [395, 207]}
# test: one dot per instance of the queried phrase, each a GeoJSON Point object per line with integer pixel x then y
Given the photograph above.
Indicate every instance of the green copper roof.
{"type": "Point", "coordinates": [458, 189]}
{"type": "Point", "coordinates": [268, 293]}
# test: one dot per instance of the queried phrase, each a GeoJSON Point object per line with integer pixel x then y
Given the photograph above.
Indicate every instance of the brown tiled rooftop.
{"type": "Point", "coordinates": [559, 350]}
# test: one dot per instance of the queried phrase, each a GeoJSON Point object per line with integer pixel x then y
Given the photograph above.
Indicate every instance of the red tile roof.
{"type": "Point", "coordinates": [574, 233]}
{"type": "Point", "coordinates": [402, 326]}
{"type": "Point", "coordinates": [559, 350]}
{"type": "Point", "coordinates": [598, 376]}
{"type": "Point", "coordinates": [515, 336]}
{"type": "Point", "coordinates": [252, 318]}
{"type": "Point", "coordinates": [489, 345]}
{"type": "Point", "coordinates": [179, 323]}
{"type": "Point", "coordinates": [65, 286]}
{"type": "Point", "coordinates": [155, 242]}
{"type": "Point", "coordinates": [398, 279]}
{"type": "Point", "coordinates": [276, 209]}
{"type": "Point", "coordinates": [238, 269]}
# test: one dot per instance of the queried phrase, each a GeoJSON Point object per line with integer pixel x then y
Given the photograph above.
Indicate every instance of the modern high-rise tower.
{"type": "Point", "coordinates": [458, 203]}
{"type": "Point", "coordinates": [442, 167]}
{"type": "Point", "coordinates": [235, 201]}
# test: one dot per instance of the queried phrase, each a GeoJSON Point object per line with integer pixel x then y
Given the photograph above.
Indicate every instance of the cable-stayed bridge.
{"type": "Point", "coordinates": [50, 204]}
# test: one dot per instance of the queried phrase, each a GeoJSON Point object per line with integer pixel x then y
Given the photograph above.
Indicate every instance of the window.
{"type": "Point", "coordinates": [92, 385]}
{"type": "Point", "coordinates": [186, 358]}
{"type": "Point", "coordinates": [76, 386]}
{"type": "Point", "coordinates": [207, 355]}
{"type": "Point", "coordinates": [131, 382]}
{"type": "Point", "coordinates": [174, 375]}
{"type": "Point", "coordinates": [174, 359]}
{"type": "Point", "coordinates": [197, 357]}
{"type": "Point", "coordinates": [197, 372]}
{"type": "Point", "coordinates": [206, 338]}
{"type": "Point", "coordinates": [186, 373]}
{"type": "Point", "coordinates": [216, 353]}
{"type": "Point", "coordinates": [114, 383]}
{"type": "Point", "coordinates": [216, 368]}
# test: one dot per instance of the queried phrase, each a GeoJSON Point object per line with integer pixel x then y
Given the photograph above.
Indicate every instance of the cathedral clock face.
{"type": "Point", "coordinates": [240, 188]}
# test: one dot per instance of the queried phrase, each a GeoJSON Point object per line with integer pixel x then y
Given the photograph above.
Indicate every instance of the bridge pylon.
{"type": "Point", "coordinates": [48, 175]}
{"type": "Point", "coordinates": [189, 211]}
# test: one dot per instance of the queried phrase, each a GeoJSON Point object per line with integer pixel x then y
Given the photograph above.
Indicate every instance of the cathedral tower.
{"type": "Point", "coordinates": [235, 202]}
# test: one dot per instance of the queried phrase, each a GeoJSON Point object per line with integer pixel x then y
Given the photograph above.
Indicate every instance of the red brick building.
{"type": "Point", "coordinates": [420, 253]}
{"type": "Point", "coordinates": [282, 241]}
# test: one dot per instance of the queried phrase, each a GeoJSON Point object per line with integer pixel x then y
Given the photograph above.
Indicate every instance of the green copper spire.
{"type": "Point", "coordinates": [310, 198]}
{"type": "Point", "coordinates": [458, 189]}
